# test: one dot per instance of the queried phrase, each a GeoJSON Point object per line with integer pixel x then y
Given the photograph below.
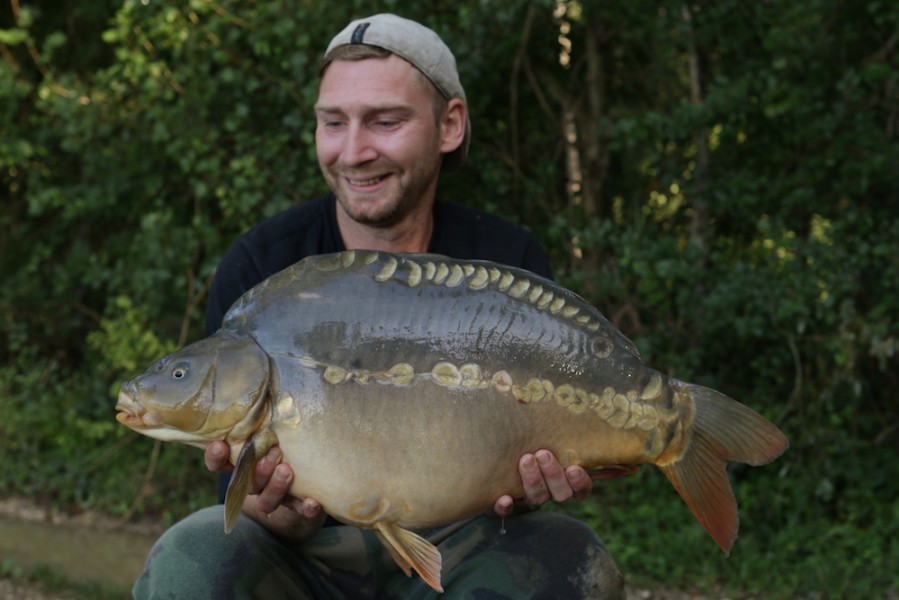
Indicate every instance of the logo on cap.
{"type": "Point", "coordinates": [359, 33]}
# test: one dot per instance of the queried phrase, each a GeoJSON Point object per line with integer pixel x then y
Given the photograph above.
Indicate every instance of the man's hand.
{"type": "Point", "coordinates": [544, 479]}
{"type": "Point", "coordinates": [269, 502]}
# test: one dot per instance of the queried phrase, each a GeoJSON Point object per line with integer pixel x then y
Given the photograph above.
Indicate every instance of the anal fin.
{"type": "Point", "coordinates": [409, 549]}
{"type": "Point", "coordinates": [395, 555]}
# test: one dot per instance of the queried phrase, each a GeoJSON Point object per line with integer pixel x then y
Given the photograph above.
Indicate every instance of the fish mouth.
{"type": "Point", "coordinates": [129, 412]}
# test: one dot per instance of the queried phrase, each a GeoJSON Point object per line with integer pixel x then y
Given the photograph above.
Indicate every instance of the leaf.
{"type": "Point", "coordinates": [13, 37]}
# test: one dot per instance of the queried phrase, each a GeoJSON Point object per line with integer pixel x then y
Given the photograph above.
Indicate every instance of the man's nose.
{"type": "Point", "coordinates": [358, 146]}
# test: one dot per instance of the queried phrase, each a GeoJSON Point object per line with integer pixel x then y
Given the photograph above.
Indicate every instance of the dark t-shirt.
{"type": "Point", "coordinates": [311, 228]}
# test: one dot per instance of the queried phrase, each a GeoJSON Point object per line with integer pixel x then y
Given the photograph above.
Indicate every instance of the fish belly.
{"type": "Point", "coordinates": [424, 453]}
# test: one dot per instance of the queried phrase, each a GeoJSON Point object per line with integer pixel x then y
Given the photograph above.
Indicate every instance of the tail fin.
{"type": "Point", "coordinates": [723, 429]}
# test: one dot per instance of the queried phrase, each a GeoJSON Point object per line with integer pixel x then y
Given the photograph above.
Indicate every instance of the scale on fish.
{"type": "Point", "coordinates": [433, 376]}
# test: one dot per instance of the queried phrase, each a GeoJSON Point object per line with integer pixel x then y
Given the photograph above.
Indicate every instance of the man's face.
{"type": "Point", "coordinates": [379, 145]}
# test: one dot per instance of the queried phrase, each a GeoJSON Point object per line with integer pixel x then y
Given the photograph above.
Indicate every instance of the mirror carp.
{"type": "Point", "coordinates": [403, 389]}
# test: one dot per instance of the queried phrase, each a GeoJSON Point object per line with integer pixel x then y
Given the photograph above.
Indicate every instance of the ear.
{"type": "Point", "coordinates": [452, 126]}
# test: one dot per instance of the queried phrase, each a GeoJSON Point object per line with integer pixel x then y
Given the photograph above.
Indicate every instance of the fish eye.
{"type": "Point", "coordinates": [180, 371]}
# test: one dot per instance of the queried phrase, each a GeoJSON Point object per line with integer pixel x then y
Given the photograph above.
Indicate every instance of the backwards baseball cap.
{"type": "Point", "coordinates": [419, 46]}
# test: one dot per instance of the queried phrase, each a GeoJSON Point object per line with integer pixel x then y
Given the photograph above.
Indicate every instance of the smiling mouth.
{"type": "Point", "coordinates": [366, 182]}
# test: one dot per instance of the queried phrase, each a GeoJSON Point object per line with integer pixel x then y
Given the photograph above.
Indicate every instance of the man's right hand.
{"type": "Point", "coordinates": [269, 502]}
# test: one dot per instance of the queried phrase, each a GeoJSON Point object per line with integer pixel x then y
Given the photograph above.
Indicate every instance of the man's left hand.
{"type": "Point", "coordinates": [544, 479]}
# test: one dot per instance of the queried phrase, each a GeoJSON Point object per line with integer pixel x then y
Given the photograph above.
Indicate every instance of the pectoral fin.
{"type": "Point", "coordinates": [411, 550]}
{"type": "Point", "coordinates": [253, 450]}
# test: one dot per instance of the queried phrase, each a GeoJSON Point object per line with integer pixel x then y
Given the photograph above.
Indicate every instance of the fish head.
{"type": "Point", "coordinates": [209, 390]}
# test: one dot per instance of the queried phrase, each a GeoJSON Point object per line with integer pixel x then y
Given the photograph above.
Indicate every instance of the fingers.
{"type": "Point", "coordinates": [265, 468]}
{"type": "Point", "coordinates": [269, 491]}
{"type": "Point", "coordinates": [309, 508]}
{"type": "Point", "coordinates": [536, 491]}
{"type": "Point", "coordinates": [271, 481]}
{"type": "Point", "coordinates": [216, 457]}
{"type": "Point", "coordinates": [554, 476]}
{"type": "Point", "coordinates": [544, 479]}
{"type": "Point", "coordinates": [504, 506]}
{"type": "Point", "coordinates": [580, 482]}
{"type": "Point", "coordinates": [294, 519]}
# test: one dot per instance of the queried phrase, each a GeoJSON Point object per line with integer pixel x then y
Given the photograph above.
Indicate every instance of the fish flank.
{"type": "Point", "coordinates": [620, 411]}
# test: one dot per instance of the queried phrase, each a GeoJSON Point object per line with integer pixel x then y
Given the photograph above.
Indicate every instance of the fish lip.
{"type": "Point", "coordinates": [128, 412]}
{"type": "Point", "coordinates": [134, 414]}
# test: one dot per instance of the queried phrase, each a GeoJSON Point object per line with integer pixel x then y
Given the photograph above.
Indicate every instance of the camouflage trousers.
{"type": "Point", "coordinates": [533, 555]}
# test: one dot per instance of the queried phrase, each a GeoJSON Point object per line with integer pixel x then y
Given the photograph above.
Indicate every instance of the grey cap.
{"type": "Point", "coordinates": [419, 46]}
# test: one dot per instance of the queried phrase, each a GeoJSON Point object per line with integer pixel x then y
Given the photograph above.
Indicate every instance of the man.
{"type": "Point", "coordinates": [391, 113]}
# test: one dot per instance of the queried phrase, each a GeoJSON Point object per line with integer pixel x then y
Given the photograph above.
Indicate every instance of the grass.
{"type": "Point", "coordinates": [49, 580]}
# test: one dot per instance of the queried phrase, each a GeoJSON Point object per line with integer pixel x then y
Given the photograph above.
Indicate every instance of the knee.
{"type": "Point", "coordinates": [573, 551]}
{"type": "Point", "coordinates": [189, 554]}
{"type": "Point", "coordinates": [194, 535]}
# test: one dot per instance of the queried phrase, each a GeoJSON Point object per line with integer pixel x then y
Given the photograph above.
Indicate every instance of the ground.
{"type": "Point", "coordinates": [15, 591]}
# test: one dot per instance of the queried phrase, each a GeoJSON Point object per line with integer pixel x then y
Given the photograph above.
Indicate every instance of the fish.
{"type": "Point", "coordinates": [403, 389]}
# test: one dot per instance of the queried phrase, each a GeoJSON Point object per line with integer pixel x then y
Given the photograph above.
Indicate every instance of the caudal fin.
{"type": "Point", "coordinates": [723, 430]}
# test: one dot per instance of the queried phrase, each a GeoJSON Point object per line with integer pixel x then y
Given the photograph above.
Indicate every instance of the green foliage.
{"type": "Point", "coordinates": [125, 342]}
{"type": "Point", "coordinates": [43, 580]}
{"type": "Point", "coordinates": [737, 221]}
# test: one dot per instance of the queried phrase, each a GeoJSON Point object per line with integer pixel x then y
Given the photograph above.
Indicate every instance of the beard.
{"type": "Point", "coordinates": [381, 213]}
{"type": "Point", "coordinates": [406, 192]}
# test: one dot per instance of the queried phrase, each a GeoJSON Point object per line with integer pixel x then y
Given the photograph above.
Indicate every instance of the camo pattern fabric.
{"type": "Point", "coordinates": [533, 555]}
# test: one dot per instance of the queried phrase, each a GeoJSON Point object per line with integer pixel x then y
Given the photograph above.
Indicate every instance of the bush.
{"type": "Point", "coordinates": [718, 178]}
